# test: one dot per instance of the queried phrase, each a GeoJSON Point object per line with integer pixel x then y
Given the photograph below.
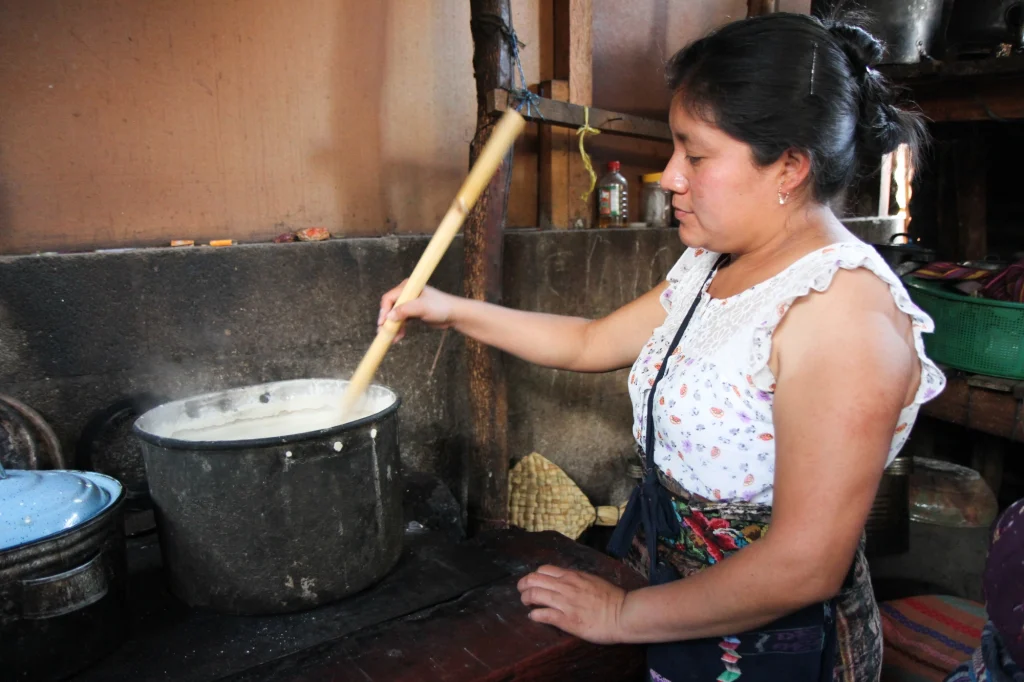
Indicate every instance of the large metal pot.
{"type": "Point", "coordinates": [266, 503]}
{"type": "Point", "coordinates": [62, 572]}
{"type": "Point", "coordinates": [910, 29]}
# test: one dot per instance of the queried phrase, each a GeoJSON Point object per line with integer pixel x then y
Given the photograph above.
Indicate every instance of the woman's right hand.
{"type": "Point", "coordinates": [432, 307]}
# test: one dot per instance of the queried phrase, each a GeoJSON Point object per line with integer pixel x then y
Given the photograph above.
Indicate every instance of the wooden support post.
{"type": "Point", "coordinates": [573, 62]}
{"type": "Point", "coordinates": [554, 151]}
{"type": "Point", "coordinates": [988, 455]}
{"type": "Point", "coordinates": [488, 461]}
{"type": "Point", "coordinates": [970, 174]}
{"type": "Point", "coordinates": [563, 114]}
{"type": "Point", "coordinates": [574, 48]}
{"type": "Point", "coordinates": [947, 229]}
{"type": "Point", "coordinates": [756, 8]}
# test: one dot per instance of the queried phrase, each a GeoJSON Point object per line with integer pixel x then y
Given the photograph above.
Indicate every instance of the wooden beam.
{"type": "Point", "coordinates": [488, 462]}
{"type": "Point", "coordinates": [564, 114]}
{"type": "Point", "coordinates": [967, 90]}
{"type": "Point", "coordinates": [554, 155]}
{"type": "Point", "coordinates": [964, 70]}
{"type": "Point", "coordinates": [989, 101]}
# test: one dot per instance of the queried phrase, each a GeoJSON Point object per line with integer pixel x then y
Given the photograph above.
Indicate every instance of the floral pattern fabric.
{"type": "Point", "coordinates": [712, 531]}
{"type": "Point", "coordinates": [713, 408]}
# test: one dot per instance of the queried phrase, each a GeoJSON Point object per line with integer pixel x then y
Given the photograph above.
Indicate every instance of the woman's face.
{"type": "Point", "coordinates": [721, 198]}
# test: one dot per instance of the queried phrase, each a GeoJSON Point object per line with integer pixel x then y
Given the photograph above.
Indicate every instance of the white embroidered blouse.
{"type": "Point", "coordinates": [713, 407]}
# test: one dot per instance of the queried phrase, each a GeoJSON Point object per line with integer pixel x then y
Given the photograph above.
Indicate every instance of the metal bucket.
{"type": "Point", "coordinates": [888, 525]}
{"type": "Point", "coordinates": [274, 523]}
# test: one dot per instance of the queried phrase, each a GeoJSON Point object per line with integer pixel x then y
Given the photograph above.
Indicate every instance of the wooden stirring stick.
{"type": "Point", "coordinates": [501, 140]}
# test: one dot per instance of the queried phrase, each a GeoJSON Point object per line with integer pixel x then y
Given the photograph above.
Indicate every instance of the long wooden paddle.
{"type": "Point", "coordinates": [501, 140]}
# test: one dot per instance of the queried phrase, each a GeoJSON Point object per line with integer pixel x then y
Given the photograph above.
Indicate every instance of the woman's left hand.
{"type": "Point", "coordinates": [578, 603]}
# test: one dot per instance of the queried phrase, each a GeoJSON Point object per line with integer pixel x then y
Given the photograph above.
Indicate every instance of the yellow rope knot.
{"type": "Point", "coordinates": [582, 133]}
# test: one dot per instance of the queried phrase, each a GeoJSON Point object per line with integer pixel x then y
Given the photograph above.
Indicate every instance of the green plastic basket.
{"type": "Point", "coordinates": [975, 335]}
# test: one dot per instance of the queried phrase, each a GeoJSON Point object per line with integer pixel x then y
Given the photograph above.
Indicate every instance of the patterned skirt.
{"type": "Point", "coordinates": [712, 531]}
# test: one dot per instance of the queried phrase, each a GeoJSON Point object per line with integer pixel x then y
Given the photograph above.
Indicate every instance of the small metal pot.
{"type": "Point", "coordinates": [910, 29]}
{"type": "Point", "coordinates": [255, 523]}
{"type": "Point", "coordinates": [979, 26]}
{"type": "Point", "coordinates": [62, 592]}
{"type": "Point", "coordinates": [897, 254]}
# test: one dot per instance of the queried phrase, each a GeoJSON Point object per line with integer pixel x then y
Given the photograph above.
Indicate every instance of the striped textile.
{"type": "Point", "coordinates": [927, 637]}
{"type": "Point", "coordinates": [1002, 285]}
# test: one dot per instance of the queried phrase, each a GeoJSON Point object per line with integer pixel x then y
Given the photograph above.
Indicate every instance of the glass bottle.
{"type": "Point", "coordinates": [612, 198]}
{"type": "Point", "coordinates": [655, 202]}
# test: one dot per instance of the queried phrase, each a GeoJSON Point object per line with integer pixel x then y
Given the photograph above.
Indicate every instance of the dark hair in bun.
{"type": "Point", "coordinates": [792, 81]}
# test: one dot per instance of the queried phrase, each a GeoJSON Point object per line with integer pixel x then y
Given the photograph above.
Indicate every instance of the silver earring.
{"type": "Point", "coordinates": [783, 197]}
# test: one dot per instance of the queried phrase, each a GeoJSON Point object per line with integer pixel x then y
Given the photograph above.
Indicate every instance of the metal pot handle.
{"type": "Point", "coordinates": [63, 593]}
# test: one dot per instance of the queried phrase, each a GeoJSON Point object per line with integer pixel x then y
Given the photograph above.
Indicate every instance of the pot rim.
{"type": "Point", "coordinates": [889, 250]}
{"type": "Point", "coordinates": [103, 516]}
{"type": "Point", "coordinates": [230, 445]}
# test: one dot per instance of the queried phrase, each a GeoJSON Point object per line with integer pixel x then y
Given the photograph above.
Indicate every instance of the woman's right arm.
{"type": "Point", "coordinates": [561, 342]}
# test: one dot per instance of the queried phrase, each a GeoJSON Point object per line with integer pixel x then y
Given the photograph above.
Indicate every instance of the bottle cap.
{"type": "Point", "coordinates": [613, 166]}
{"type": "Point", "coordinates": [651, 177]}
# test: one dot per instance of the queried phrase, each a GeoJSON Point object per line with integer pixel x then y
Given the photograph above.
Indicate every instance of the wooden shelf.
{"type": "Point", "coordinates": [954, 70]}
{"type": "Point", "coordinates": [985, 404]}
{"type": "Point", "coordinates": [967, 90]}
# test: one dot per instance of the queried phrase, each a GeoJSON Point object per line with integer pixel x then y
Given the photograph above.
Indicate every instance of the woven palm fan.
{"type": "Point", "coordinates": [543, 497]}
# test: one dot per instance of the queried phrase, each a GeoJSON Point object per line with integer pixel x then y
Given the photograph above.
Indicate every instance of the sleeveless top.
{"type": "Point", "coordinates": [713, 408]}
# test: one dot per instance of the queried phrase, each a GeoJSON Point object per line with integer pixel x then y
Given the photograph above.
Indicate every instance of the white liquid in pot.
{"type": "Point", "coordinates": [300, 411]}
{"type": "Point", "coordinates": [249, 426]}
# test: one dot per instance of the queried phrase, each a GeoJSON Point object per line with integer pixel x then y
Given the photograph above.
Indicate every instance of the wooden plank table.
{"type": "Point", "coordinates": [449, 612]}
{"type": "Point", "coordinates": [985, 404]}
{"type": "Point", "coordinates": [988, 405]}
{"type": "Point", "coordinates": [483, 636]}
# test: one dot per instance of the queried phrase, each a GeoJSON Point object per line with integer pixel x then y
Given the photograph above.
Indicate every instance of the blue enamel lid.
{"type": "Point", "coordinates": [37, 504]}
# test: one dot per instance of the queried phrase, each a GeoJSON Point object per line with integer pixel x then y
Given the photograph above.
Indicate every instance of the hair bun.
{"type": "Point", "coordinates": [882, 125]}
{"type": "Point", "coordinates": [861, 47]}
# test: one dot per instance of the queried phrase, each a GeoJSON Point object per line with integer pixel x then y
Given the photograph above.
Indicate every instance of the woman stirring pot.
{"type": "Point", "coordinates": [775, 373]}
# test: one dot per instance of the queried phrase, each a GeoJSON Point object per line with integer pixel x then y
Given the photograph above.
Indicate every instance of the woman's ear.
{"type": "Point", "coordinates": [794, 170]}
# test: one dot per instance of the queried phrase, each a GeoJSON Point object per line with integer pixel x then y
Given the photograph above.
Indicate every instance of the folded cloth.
{"type": "Point", "coordinates": [927, 636]}
{"type": "Point", "coordinates": [1000, 285]}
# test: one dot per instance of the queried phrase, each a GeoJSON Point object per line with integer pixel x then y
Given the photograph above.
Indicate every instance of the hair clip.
{"type": "Point", "coordinates": [814, 64]}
